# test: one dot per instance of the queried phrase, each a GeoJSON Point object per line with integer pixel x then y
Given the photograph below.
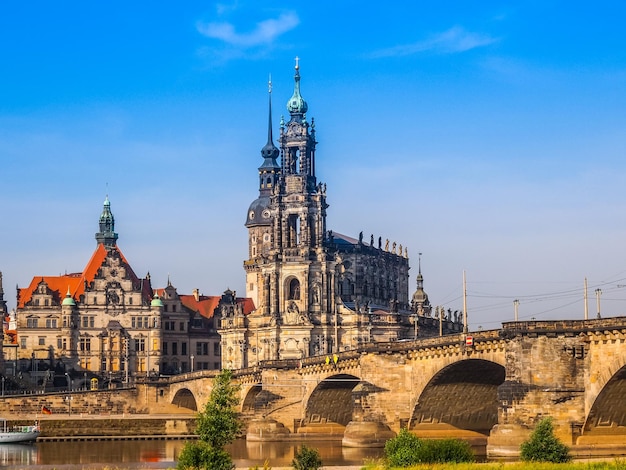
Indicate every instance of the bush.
{"type": "Point", "coordinates": [406, 449]}
{"type": "Point", "coordinates": [200, 455]}
{"type": "Point", "coordinates": [543, 445]}
{"type": "Point", "coordinates": [402, 450]}
{"type": "Point", "coordinates": [307, 459]}
{"type": "Point", "coordinates": [445, 450]}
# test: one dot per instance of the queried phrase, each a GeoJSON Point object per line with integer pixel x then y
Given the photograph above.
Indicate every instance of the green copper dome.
{"type": "Point", "coordinates": [68, 300]}
{"type": "Point", "coordinates": [296, 104]}
{"type": "Point", "coordinates": [156, 302]}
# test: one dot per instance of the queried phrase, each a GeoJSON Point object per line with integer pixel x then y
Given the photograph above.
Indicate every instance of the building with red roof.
{"type": "Point", "coordinates": [108, 322]}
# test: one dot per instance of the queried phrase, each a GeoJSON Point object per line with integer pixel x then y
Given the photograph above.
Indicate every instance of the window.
{"type": "Point", "coordinates": [92, 322]}
{"type": "Point", "coordinates": [51, 322]}
{"type": "Point", "coordinates": [64, 322]}
{"type": "Point", "coordinates": [216, 349]}
{"type": "Point", "coordinates": [46, 302]}
{"type": "Point", "coordinates": [59, 343]}
{"type": "Point", "coordinates": [42, 341]}
{"type": "Point", "coordinates": [175, 349]}
{"type": "Point", "coordinates": [31, 322]}
{"type": "Point", "coordinates": [23, 342]}
{"type": "Point", "coordinates": [173, 308]}
{"type": "Point", "coordinates": [85, 344]}
{"type": "Point", "coordinates": [165, 307]}
{"type": "Point", "coordinates": [164, 347]}
{"type": "Point", "coordinates": [130, 300]}
{"type": "Point", "coordinates": [132, 322]}
{"type": "Point", "coordinates": [140, 344]}
{"type": "Point", "coordinates": [85, 322]}
{"type": "Point", "coordinates": [64, 343]}
{"type": "Point", "coordinates": [182, 326]}
{"type": "Point", "coordinates": [183, 349]}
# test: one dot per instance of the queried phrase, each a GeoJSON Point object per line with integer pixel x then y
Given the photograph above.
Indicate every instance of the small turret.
{"type": "Point", "coordinates": [107, 235]}
{"type": "Point", "coordinates": [68, 301]}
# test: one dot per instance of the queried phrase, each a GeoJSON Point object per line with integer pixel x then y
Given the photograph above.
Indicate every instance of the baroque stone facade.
{"type": "Point", "coordinates": [107, 322]}
{"type": "Point", "coordinates": [315, 291]}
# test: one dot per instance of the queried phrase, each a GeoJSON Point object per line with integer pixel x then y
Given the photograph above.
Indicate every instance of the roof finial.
{"type": "Point", "coordinates": [419, 263]}
{"type": "Point", "coordinates": [269, 83]}
{"type": "Point", "coordinates": [297, 62]}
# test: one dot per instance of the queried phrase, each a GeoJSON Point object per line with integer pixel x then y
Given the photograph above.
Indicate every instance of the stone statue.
{"type": "Point", "coordinates": [380, 242]}
{"type": "Point", "coordinates": [361, 238]}
{"type": "Point", "coordinates": [393, 248]}
{"type": "Point", "coordinates": [387, 244]}
{"type": "Point", "coordinates": [372, 239]}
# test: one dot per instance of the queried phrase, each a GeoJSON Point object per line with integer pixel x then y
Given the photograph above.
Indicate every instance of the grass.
{"type": "Point", "coordinates": [616, 464]}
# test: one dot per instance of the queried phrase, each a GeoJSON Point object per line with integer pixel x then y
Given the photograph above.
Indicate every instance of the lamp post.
{"type": "Point", "coordinates": [69, 394]}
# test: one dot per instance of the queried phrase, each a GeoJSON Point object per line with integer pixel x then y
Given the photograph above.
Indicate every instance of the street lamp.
{"type": "Point", "coordinates": [69, 394]}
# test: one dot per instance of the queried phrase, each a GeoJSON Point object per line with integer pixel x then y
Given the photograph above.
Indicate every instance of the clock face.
{"type": "Point", "coordinates": [266, 214]}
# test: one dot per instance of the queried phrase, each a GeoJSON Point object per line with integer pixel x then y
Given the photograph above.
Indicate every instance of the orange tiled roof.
{"type": "Point", "coordinates": [76, 281]}
{"type": "Point", "coordinates": [205, 305]}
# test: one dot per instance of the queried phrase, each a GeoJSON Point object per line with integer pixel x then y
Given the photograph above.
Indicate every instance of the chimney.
{"type": "Point", "coordinates": [196, 294]}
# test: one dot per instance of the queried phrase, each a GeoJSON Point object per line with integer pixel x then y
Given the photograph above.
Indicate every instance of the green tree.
{"type": "Point", "coordinates": [216, 426]}
{"type": "Point", "coordinates": [543, 445]}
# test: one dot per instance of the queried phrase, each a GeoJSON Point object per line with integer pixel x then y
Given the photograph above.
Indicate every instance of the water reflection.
{"type": "Point", "coordinates": [14, 454]}
{"type": "Point", "coordinates": [164, 454]}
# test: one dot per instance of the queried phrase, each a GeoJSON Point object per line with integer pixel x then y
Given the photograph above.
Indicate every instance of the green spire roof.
{"type": "Point", "coordinates": [107, 234]}
{"type": "Point", "coordinates": [296, 106]}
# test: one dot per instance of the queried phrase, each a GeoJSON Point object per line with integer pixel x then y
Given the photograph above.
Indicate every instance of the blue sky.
{"type": "Point", "coordinates": [489, 136]}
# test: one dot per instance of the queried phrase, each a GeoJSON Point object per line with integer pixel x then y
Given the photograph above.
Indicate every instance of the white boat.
{"type": "Point", "coordinates": [18, 433]}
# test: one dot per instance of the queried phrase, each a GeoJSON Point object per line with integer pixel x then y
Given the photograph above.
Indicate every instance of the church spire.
{"type": "Point", "coordinates": [270, 152]}
{"type": "Point", "coordinates": [3, 304]}
{"type": "Point", "coordinates": [296, 106]}
{"type": "Point", "coordinates": [107, 235]}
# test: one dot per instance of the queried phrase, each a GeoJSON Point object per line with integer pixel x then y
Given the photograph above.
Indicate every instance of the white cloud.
{"type": "Point", "coordinates": [265, 32]}
{"type": "Point", "coordinates": [452, 41]}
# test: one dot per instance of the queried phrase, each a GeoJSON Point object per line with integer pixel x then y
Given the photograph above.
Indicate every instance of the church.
{"type": "Point", "coordinates": [315, 291]}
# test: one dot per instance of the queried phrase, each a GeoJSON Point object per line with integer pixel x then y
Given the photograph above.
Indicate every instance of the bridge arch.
{"type": "Point", "coordinates": [607, 412]}
{"type": "Point", "coordinates": [331, 401]}
{"type": "Point", "coordinates": [185, 399]}
{"type": "Point", "coordinates": [463, 395]}
{"type": "Point", "coordinates": [250, 398]}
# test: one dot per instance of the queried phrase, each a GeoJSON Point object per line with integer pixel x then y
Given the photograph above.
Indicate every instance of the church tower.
{"type": "Point", "coordinates": [315, 292]}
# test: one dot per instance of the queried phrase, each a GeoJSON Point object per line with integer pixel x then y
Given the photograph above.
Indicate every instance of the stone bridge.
{"type": "Point", "coordinates": [490, 387]}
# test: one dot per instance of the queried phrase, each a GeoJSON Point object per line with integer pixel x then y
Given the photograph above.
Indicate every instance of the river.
{"type": "Point", "coordinates": [164, 454]}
